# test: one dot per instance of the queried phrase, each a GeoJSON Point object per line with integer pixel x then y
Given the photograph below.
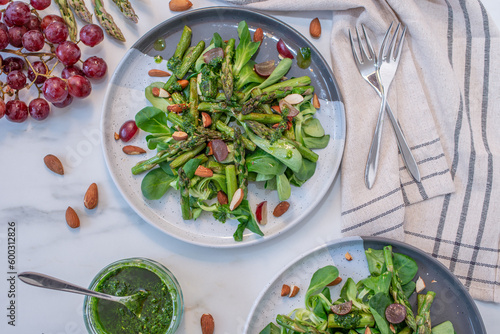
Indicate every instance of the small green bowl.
{"type": "Point", "coordinates": [90, 310]}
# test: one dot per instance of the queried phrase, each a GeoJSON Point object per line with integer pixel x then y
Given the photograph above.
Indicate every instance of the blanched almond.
{"type": "Point", "coordinates": [202, 171]}
{"type": "Point", "coordinates": [179, 135]}
{"type": "Point", "coordinates": [420, 285]}
{"type": "Point", "coordinates": [285, 290]}
{"type": "Point", "coordinates": [237, 198]}
{"type": "Point", "coordinates": [133, 150]}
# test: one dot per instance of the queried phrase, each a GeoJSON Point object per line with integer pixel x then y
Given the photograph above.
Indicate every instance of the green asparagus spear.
{"type": "Point", "coordinates": [189, 59]}
{"type": "Point", "coordinates": [239, 161]}
{"type": "Point", "coordinates": [184, 189]}
{"type": "Point", "coordinates": [227, 72]}
{"type": "Point", "coordinates": [126, 8]}
{"type": "Point", "coordinates": [186, 156]}
{"type": "Point", "coordinates": [397, 290]}
{"type": "Point", "coordinates": [81, 10]}
{"type": "Point", "coordinates": [193, 101]}
{"type": "Point", "coordinates": [184, 43]}
{"type": "Point", "coordinates": [229, 131]}
{"type": "Point", "coordinates": [106, 21]}
{"type": "Point", "coordinates": [231, 181]}
{"type": "Point", "coordinates": [68, 17]}
{"type": "Point", "coordinates": [423, 319]}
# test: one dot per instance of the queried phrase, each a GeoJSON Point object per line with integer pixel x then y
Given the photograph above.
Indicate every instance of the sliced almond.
{"type": "Point", "coordinates": [294, 98]}
{"type": "Point", "coordinates": [391, 327]}
{"type": "Point", "coordinates": [433, 281]}
{"type": "Point", "coordinates": [335, 281]}
{"type": "Point", "coordinates": [177, 108]}
{"type": "Point", "coordinates": [210, 148]}
{"type": "Point", "coordinates": [277, 109]}
{"type": "Point", "coordinates": [222, 197]}
{"type": "Point", "coordinates": [368, 330]}
{"type": "Point", "coordinates": [117, 136]}
{"type": "Point", "coordinates": [237, 198]}
{"type": "Point", "coordinates": [315, 28]}
{"type": "Point", "coordinates": [294, 290]}
{"type": "Point", "coordinates": [285, 290]}
{"type": "Point", "coordinates": [316, 103]}
{"type": "Point", "coordinates": [281, 208]}
{"type": "Point", "coordinates": [54, 164]}
{"type": "Point", "coordinates": [202, 171]}
{"type": "Point", "coordinates": [91, 197]}
{"type": "Point", "coordinates": [159, 92]}
{"type": "Point", "coordinates": [179, 135]}
{"type": "Point", "coordinates": [158, 73]}
{"type": "Point", "coordinates": [133, 150]}
{"type": "Point", "coordinates": [179, 5]}
{"type": "Point", "coordinates": [420, 285]}
{"type": "Point", "coordinates": [207, 324]}
{"type": "Point", "coordinates": [258, 35]}
{"type": "Point", "coordinates": [72, 218]}
{"type": "Point", "coordinates": [348, 256]}
{"type": "Point", "coordinates": [206, 119]}
{"type": "Point", "coordinates": [183, 83]}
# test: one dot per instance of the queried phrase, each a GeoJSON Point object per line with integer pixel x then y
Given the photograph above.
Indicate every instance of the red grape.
{"type": "Point", "coordinates": [13, 63]}
{"type": "Point", "coordinates": [4, 27]}
{"type": "Point", "coordinates": [4, 39]}
{"type": "Point", "coordinates": [91, 35]}
{"type": "Point", "coordinates": [79, 86]}
{"type": "Point", "coordinates": [64, 103]}
{"type": "Point", "coordinates": [4, 2]}
{"type": "Point", "coordinates": [2, 108]}
{"type": "Point", "coordinates": [16, 35]}
{"type": "Point", "coordinates": [94, 67]}
{"type": "Point", "coordinates": [68, 53]}
{"type": "Point", "coordinates": [48, 19]}
{"type": "Point", "coordinates": [34, 23]}
{"type": "Point", "coordinates": [33, 40]}
{"type": "Point", "coordinates": [40, 4]}
{"type": "Point", "coordinates": [39, 109]}
{"type": "Point", "coordinates": [56, 32]}
{"type": "Point", "coordinates": [55, 90]}
{"type": "Point", "coordinates": [283, 50]}
{"type": "Point", "coordinates": [7, 22]}
{"type": "Point", "coordinates": [128, 130]}
{"type": "Point", "coordinates": [69, 71]}
{"type": "Point", "coordinates": [39, 67]}
{"type": "Point", "coordinates": [16, 111]}
{"type": "Point", "coordinates": [16, 79]}
{"type": "Point", "coordinates": [18, 13]}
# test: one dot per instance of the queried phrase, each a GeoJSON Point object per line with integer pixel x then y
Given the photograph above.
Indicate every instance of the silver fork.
{"type": "Point", "coordinates": [368, 67]}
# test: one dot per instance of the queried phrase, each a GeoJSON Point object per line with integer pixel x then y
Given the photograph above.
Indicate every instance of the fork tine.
{"type": "Point", "coordinates": [392, 45]}
{"type": "Point", "coordinates": [400, 44]}
{"type": "Point", "coordinates": [362, 50]}
{"type": "Point", "coordinates": [368, 42]}
{"type": "Point", "coordinates": [353, 48]}
{"type": "Point", "coordinates": [383, 46]}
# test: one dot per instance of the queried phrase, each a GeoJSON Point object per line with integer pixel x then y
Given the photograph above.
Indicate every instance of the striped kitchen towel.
{"type": "Point", "coordinates": [446, 96]}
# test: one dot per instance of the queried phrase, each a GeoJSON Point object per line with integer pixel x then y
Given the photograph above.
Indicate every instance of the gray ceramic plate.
{"type": "Point", "coordinates": [452, 301]}
{"type": "Point", "coordinates": [125, 96]}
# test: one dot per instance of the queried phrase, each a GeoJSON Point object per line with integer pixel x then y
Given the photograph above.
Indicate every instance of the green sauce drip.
{"type": "Point", "coordinates": [159, 44]}
{"type": "Point", "coordinates": [115, 318]}
{"type": "Point", "coordinates": [158, 59]}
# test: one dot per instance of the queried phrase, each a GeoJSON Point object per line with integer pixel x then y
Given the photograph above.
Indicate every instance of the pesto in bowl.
{"type": "Point", "coordinates": [162, 309]}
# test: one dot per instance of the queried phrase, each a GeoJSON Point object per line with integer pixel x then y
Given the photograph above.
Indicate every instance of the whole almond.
{"type": "Point", "coordinates": [348, 256]}
{"type": "Point", "coordinates": [133, 150]}
{"type": "Point", "coordinates": [315, 28]}
{"type": "Point", "coordinates": [183, 83]}
{"type": "Point", "coordinates": [237, 198]}
{"type": "Point", "coordinates": [117, 136]}
{"type": "Point", "coordinates": [177, 108]}
{"type": "Point", "coordinates": [316, 101]}
{"type": "Point", "coordinates": [281, 208]}
{"type": "Point", "coordinates": [207, 324]}
{"type": "Point", "coordinates": [179, 5]}
{"type": "Point", "coordinates": [179, 135]}
{"type": "Point", "coordinates": [285, 290]}
{"type": "Point", "coordinates": [258, 35]}
{"type": "Point", "coordinates": [72, 218]}
{"type": "Point", "coordinates": [158, 73]}
{"type": "Point", "coordinates": [222, 197]}
{"type": "Point", "coordinates": [335, 281]}
{"type": "Point", "coordinates": [206, 119]}
{"type": "Point", "coordinates": [294, 291]}
{"type": "Point", "coordinates": [54, 164]}
{"type": "Point", "coordinates": [91, 197]}
{"type": "Point", "coordinates": [202, 171]}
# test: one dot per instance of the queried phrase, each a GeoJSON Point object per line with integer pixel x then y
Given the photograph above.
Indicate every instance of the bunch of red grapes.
{"type": "Point", "coordinates": [44, 39]}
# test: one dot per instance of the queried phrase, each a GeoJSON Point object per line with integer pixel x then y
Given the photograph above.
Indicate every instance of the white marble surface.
{"type": "Point", "coordinates": [223, 282]}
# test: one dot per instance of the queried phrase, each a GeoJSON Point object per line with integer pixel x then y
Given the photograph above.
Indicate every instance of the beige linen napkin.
{"type": "Point", "coordinates": [446, 97]}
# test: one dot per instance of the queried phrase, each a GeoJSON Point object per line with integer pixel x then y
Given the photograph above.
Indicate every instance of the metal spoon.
{"type": "Point", "coordinates": [133, 303]}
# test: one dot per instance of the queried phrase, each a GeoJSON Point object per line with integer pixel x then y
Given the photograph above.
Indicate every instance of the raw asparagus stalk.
{"type": "Point", "coordinates": [226, 70]}
{"type": "Point", "coordinates": [81, 10]}
{"type": "Point", "coordinates": [106, 21]}
{"type": "Point", "coordinates": [126, 8]}
{"type": "Point", "coordinates": [397, 290]}
{"type": "Point", "coordinates": [68, 17]}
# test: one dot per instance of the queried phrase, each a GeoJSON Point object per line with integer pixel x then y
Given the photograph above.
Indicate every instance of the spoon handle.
{"type": "Point", "coordinates": [49, 282]}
